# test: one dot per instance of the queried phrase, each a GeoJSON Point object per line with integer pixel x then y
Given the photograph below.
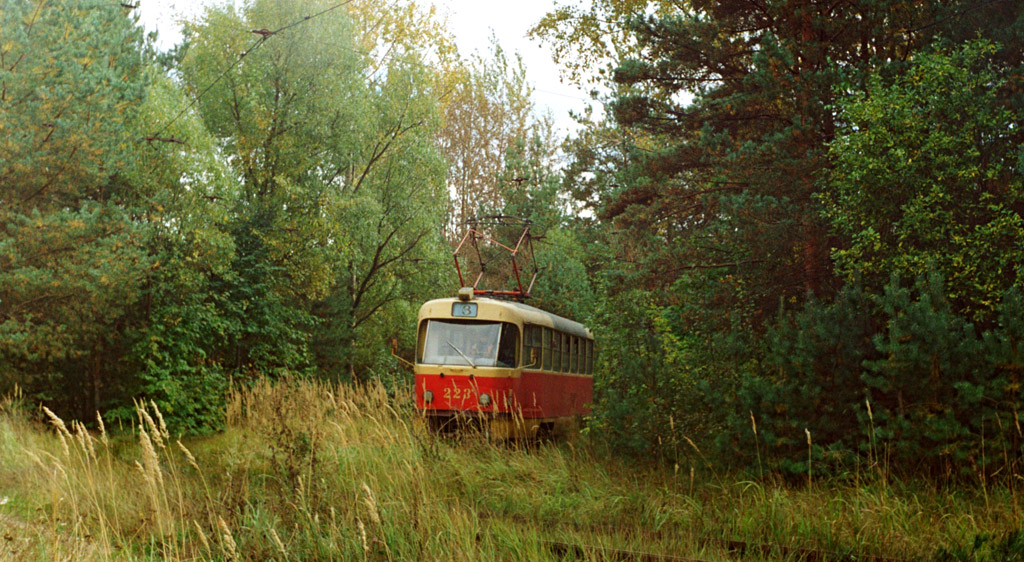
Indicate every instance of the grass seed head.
{"type": "Point", "coordinates": [35, 458]}
{"type": "Point", "coordinates": [188, 455]}
{"type": "Point", "coordinates": [146, 420]}
{"type": "Point", "coordinates": [103, 430]}
{"type": "Point", "coordinates": [149, 458]}
{"type": "Point", "coordinates": [160, 418]}
{"type": "Point", "coordinates": [362, 536]}
{"type": "Point", "coordinates": [278, 543]}
{"type": "Point", "coordinates": [85, 441]}
{"type": "Point", "coordinates": [230, 548]}
{"type": "Point", "coordinates": [202, 536]}
{"type": "Point", "coordinates": [371, 504]}
{"type": "Point", "coordinates": [62, 430]}
{"type": "Point", "coordinates": [692, 444]}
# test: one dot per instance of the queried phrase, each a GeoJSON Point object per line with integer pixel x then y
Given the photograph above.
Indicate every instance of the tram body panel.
{"type": "Point", "coordinates": [459, 389]}
{"type": "Point", "coordinates": [554, 395]}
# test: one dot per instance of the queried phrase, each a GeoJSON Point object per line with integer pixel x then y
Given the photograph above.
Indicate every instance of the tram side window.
{"type": "Point", "coordinates": [508, 347]}
{"type": "Point", "coordinates": [546, 335]}
{"type": "Point", "coordinates": [567, 360]}
{"type": "Point", "coordinates": [532, 346]}
{"type": "Point", "coordinates": [538, 342]}
{"type": "Point", "coordinates": [421, 340]}
{"type": "Point", "coordinates": [590, 357]}
{"type": "Point", "coordinates": [556, 351]}
{"type": "Point", "coordinates": [574, 354]}
{"type": "Point", "coordinates": [565, 352]}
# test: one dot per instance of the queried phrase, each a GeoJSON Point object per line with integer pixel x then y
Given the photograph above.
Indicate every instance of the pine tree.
{"type": "Point", "coordinates": [73, 230]}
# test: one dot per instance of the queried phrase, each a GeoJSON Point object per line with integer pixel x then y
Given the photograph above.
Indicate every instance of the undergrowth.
{"type": "Point", "coordinates": [307, 471]}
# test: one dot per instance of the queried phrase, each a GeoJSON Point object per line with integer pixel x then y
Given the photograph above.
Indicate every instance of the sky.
{"type": "Point", "coordinates": [472, 23]}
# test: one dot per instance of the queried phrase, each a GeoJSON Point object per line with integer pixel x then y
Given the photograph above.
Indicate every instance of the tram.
{"type": "Point", "coordinates": [488, 359]}
{"type": "Point", "coordinates": [515, 370]}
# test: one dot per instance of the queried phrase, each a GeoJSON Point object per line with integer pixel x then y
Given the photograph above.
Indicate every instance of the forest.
{"type": "Point", "coordinates": [796, 231]}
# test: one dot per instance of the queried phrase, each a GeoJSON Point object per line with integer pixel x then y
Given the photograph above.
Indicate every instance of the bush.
{"type": "Point", "coordinates": [898, 374]}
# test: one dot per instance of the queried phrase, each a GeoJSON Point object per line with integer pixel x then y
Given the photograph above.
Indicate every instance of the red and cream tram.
{"type": "Point", "coordinates": [514, 369]}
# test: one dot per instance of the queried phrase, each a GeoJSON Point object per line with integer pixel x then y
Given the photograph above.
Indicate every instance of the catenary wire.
{"type": "Point", "coordinates": [264, 35]}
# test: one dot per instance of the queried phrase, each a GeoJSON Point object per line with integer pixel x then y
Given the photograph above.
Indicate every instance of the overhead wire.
{"type": "Point", "coordinates": [264, 35]}
{"type": "Point", "coordinates": [569, 96]}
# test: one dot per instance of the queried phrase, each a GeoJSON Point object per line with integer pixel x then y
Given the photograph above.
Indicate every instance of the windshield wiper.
{"type": "Point", "coordinates": [464, 356]}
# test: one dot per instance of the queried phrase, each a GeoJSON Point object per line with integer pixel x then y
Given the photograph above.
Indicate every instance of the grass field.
{"type": "Point", "coordinates": [310, 472]}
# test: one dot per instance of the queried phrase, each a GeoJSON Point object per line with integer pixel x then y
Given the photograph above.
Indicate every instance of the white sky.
{"type": "Point", "coordinates": [472, 21]}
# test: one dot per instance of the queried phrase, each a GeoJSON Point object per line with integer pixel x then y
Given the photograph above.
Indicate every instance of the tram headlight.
{"type": "Point", "coordinates": [485, 399]}
{"type": "Point", "coordinates": [428, 397]}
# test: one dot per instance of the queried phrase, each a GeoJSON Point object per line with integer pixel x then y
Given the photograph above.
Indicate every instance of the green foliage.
{"type": "Point", "coordinates": [342, 184]}
{"type": "Point", "coordinates": [704, 181]}
{"type": "Point", "coordinates": [925, 187]}
{"type": "Point", "coordinates": [945, 394]}
{"type": "Point", "coordinates": [986, 546]}
{"type": "Point", "coordinates": [942, 143]}
{"type": "Point", "coordinates": [73, 242]}
{"type": "Point", "coordinates": [810, 380]}
{"type": "Point", "coordinates": [631, 390]}
{"type": "Point", "coordinates": [766, 170]}
{"type": "Point", "coordinates": [928, 355]}
{"type": "Point", "coordinates": [108, 256]}
{"type": "Point", "coordinates": [898, 375]}
{"type": "Point", "coordinates": [581, 40]}
{"type": "Point", "coordinates": [180, 332]}
{"type": "Point", "coordinates": [155, 253]}
{"type": "Point", "coordinates": [729, 116]}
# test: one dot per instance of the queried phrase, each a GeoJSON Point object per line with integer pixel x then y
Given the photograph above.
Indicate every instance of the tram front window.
{"type": "Point", "coordinates": [474, 344]}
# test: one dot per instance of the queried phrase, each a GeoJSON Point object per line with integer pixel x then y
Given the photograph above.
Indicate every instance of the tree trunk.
{"type": "Point", "coordinates": [352, 326]}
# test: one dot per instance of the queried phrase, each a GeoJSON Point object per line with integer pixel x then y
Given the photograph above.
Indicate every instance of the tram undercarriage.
{"type": "Point", "coordinates": [499, 426]}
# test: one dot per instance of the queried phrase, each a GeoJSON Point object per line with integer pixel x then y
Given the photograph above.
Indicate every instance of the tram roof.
{"type": "Point", "coordinates": [528, 314]}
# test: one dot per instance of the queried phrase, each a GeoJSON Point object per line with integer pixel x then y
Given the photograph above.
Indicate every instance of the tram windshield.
{"type": "Point", "coordinates": [474, 344]}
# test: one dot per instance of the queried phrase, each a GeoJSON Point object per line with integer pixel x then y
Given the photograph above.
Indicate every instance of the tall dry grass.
{"type": "Point", "coordinates": [308, 471]}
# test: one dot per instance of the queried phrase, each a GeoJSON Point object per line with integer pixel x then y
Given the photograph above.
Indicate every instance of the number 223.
{"type": "Point", "coordinates": [457, 393]}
